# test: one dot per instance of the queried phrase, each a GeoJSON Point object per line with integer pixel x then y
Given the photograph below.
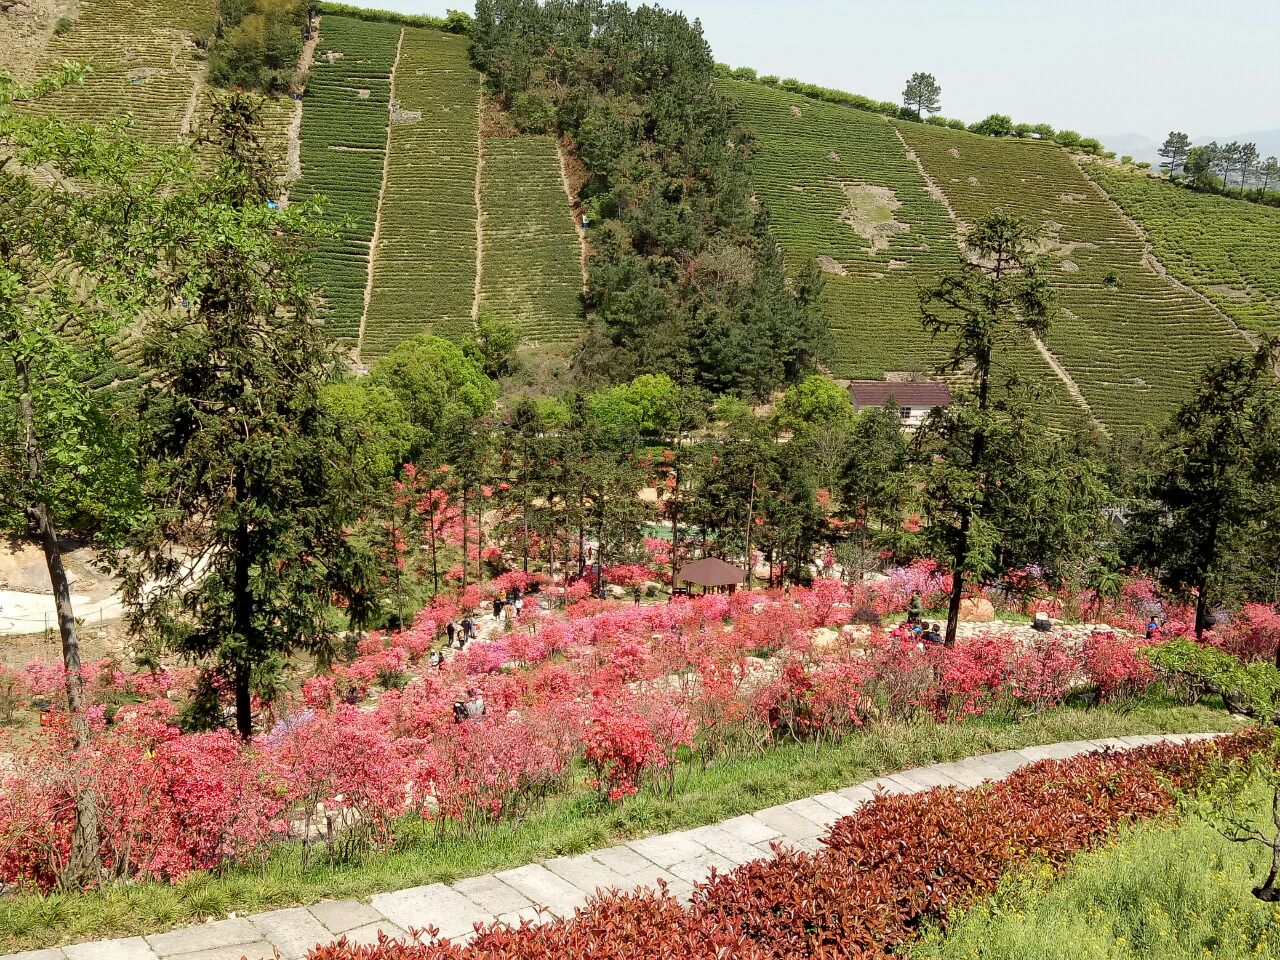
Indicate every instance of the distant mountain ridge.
{"type": "Point", "coordinates": [1142, 147]}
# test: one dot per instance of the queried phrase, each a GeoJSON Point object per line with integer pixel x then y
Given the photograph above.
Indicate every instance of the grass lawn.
{"type": "Point", "coordinates": [572, 821]}
{"type": "Point", "coordinates": [1160, 892]}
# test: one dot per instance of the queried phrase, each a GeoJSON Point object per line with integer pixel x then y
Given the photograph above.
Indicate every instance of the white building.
{"type": "Point", "coordinates": [915, 398]}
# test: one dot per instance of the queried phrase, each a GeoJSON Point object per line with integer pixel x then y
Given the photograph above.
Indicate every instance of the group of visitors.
{"type": "Point", "coordinates": [462, 631]}
{"type": "Point", "coordinates": [472, 708]}
{"type": "Point", "coordinates": [509, 608]}
{"type": "Point", "coordinates": [920, 630]}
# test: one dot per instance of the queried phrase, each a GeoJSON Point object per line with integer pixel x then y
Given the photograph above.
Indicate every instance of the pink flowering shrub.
{"type": "Point", "coordinates": [1114, 666]}
{"type": "Point", "coordinates": [632, 736]}
{"type": "Point", "coordinates": [1253, 634]}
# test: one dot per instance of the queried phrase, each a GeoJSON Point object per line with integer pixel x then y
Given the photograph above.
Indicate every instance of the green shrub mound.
{"type": "Point", "coordinates": [1159, 893]}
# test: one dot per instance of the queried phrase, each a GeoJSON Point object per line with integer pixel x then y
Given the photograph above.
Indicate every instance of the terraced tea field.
{"type": "Point", "coordinates": [1228, 250]}
{"type": "Point", "coordinates": [424, 267]}
{"type": "Point", "coordinates": [1133, 341]}
{"type": "Point", "coordinates": [531, 272]}
{"type": "Point", "coordinates": [344, 136]}
{"type": "Point", "coordinates": [144, 63]}
{"type": "Point", "coordinates": [840, 188]}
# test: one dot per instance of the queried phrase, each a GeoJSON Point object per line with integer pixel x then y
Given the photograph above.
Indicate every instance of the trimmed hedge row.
{"type": "Point", "coordinates": [897, 864]}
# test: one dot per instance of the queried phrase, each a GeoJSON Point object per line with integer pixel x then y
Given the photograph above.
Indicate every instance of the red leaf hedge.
{"type": "Point", "coordinates": [898, 862]}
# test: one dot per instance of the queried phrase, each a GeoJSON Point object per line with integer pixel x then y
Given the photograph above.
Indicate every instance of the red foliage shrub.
{"type": "Point", "coordinates": [1114, 666]}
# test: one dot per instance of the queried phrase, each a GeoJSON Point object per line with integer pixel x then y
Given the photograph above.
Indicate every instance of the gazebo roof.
{"type": "Point", "coordinates": [711, 572]}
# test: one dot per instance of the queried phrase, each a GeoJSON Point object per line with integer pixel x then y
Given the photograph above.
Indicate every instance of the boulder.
{"type": "Point", "coordinates": [977, 610]}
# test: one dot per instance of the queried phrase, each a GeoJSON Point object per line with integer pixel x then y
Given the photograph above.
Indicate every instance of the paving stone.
{"type": "Point", "coordinates": [959, 773]}
{"type": "Point", "coordinates": [906, 783]}
{"type": "Point", "coordinates": [837, 803]}
{"type": "Point", "coordinates": [699, 868]}
{"type": "Point", "coordinates": [1035, 754]}
{"type": "Point", "coordinates": [859, 795]}
{"type": "Point", "coordinates": [981, 768]}
{"type": "Point", "coordinates": [810, 809]}
{"type": "Point", "coordinates": [203, 936]}
{"type": "Point", "coordinates": [541, 886]}
{"type": "Point", "coordinates": [668, 849]}
{"type": "Point", "coordinates": [811, 845]}
{"type": "Point", "coordinates": [749, 829]}
{"type": "Point", "coordinates": [1006, 760]}
{"type": "Point", "coordinates": [256, 950]}
{"type": "Point", "coordinates": [587, 874]}
{"type": "Point", "coordinates": [621, 859]}
{"type": "Point", "coordinates": [790, 824]}
{"type": "Point", "coordinates": [125, 948]}
{"type": "Point", "coordinates": [295, 931]}
{"type": "Point", "coordinates": [719, 840]}
{"type": "Point", "coordinates": [339, 916]}
{"type": "Point", "coordinates": [492, 894]}
{"type": "Point", "coordinates": [367, 935]}
{"type": "Point", "coordinates": [52, 953]}
{"type": "Point", "coordinates": [1063, 751]}
{"type": "Point", "coordinates": [650, 876]}
{"type": "Point", "coordinates": [934, 776]}
{"type": "Point", "coordinates": [434, 905]}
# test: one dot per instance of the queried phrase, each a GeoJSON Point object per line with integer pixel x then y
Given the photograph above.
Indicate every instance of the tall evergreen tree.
{"type": "Point", "coordinates": [997, 291]}
{"type": "Point", "coordinates": [1174, 151]}
{"type": "Point", "coordinates": [922, 94]}
{"type": "Point", "coordinates": [249, 488]}
{"type": "Point", "coordinates": [1217, 480]}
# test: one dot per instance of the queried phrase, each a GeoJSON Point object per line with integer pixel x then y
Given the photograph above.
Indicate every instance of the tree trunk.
{"type": "Point", "coordinates": [1268, 891]}
{"type": "Point", "coordinates": [435, 568]}
{"type": "Point", "coordinates": [83, 867]}
{"type": "Point", "coordinates": [242, 604]}
{"type": "Point", "coordinates": [466, 560]}
{"type": "Point", "coordinates": [751, 500]}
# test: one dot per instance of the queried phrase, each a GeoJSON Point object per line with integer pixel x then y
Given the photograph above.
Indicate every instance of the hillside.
{"type": "Point", "coordinates": [438, 211]}
{"type": "Point", "coordinates": [1228, 250]}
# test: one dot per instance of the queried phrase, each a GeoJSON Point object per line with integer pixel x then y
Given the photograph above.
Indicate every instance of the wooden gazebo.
{"type": "Point", "coordinates": [711, 573]}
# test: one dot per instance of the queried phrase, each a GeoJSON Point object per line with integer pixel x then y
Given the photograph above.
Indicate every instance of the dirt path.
{"type": "Point", "coordinates": [189, 114]}
{"type": "Point", "coordinates": [1152, 262]}
{"type": "Point", "coordinates": [475, 291]}
{"type": "Point", "coordinates": [382, 193]}
{"type": "Point", "coordinates": [293, 166]}
{"type": "Point", "coordinates": [574, 213]}
{"type": "Point", "coordinates": [1068, 381]}
{"type": "Point", "coordinates": [962, 227]}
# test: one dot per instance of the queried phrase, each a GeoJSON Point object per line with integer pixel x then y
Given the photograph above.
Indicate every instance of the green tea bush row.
{"type": "Point", "coordinates": [344, 133]}
{"type": "Point", "coordinates": [531, 273]}
{"type": "Point", "coordinates": [1224, 248]}
{"type": "Point", "coordinates": [144, 63]}
{"type": "Point", "coordinates": [1132, 340]}
{"type": "Point", "coordinates": [425, 266]}
{"type": "Point", "coordinates": [806, 153]}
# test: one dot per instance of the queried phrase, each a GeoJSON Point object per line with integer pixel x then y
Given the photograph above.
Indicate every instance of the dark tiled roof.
{"type": "Point", "coordinates": [914, 393]}
{"type": "Point", "coordinates": [710, 572]}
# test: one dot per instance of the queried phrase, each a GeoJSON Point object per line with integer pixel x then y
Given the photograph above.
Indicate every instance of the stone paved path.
{"type": "Point", "coordinates": [560, 885]}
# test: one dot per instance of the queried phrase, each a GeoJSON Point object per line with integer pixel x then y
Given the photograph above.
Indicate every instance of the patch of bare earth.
{"type": "Point", "coordinates": [25, 29]}
{"type": "Point", "coordinates": [868, 212]}
{"type": "Point", "coordinates": [830, 265]}
{"type": "Point", "coordinates": [1226, 290]}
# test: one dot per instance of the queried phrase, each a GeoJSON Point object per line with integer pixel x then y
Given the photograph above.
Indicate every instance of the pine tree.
{"type": "Point", "coordinates": [1174, 151]}
{"type": "Point", "coordinates": [248, 485]}
{"type": "Point", "coordinates": [997, 290]}
{"type": "Point", "coordinates": [922, 94]}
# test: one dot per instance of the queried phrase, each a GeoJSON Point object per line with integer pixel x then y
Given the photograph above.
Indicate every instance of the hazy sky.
{"type": "Point", "coordinates": [1097, 66]}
